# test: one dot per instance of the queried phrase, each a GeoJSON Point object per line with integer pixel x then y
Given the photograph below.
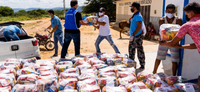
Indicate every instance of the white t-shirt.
{"type": "Point", "coordinates": [104, 30]}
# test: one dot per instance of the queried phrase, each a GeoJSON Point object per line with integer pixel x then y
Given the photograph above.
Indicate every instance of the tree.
{"type": "Point", "coordinates": [34, 13]}
{"type": "Point", "coordinates": [21, 13]}
{"type": "Point", "coordinates": [94, 6]}
{"type": "Point", "coordinates": [6, 11]}
{"type": "Point", "coordinates": [41, 11]}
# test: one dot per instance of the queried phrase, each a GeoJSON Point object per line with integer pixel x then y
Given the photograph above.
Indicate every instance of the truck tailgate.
{"type": "Point", "coordinates": [6, 50]}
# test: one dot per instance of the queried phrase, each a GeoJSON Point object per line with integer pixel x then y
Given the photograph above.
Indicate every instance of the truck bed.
{"type": "Point", "coordinates": [21, 38]}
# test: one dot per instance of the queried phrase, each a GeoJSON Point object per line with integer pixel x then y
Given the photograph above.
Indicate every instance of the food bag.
{"type": "Point", "coordinates": [99, 66]}
{"type": "Point", "coordinates": [159, 76]}
{"type": "Point", "coordinates": [46, 85]}
{"type": "Point", "coordinates": [86, 82]}
{"type": "Point", "coordinates": [47, 73]}
{"type": "Point", "coordinates": [31, 60]}
{"type": "Point", "coordinates": [78, 61]}
{"type": "Point", "coordinates": [69, 90]}
{"type": "Point", "coordinates": [27, 79]}
{"type": "Point", "coordinates": [186, 87]}
{"type": "Point", "coordinates": [70, 70]}
{"type": "Point", "coordinates": [9, 71]}
{"type": "Point", "coordinates": [6, 82]}
{"type": "Point", "coordinates": [90, 88]}
{"type": "Point", "coordinates": [154, 83]}
{"type": "Point", "coordinates": [11, 78]}
{"type": "Point", "coordinates": [107, 69]}
{"type": "Point", "coordinates": [136, 85]}
{"type": "Point", "coordinates": [165, 89]}
{"type": "Point", "coordinates": [91, 19]}
{"type": "Point", "coordinates": [67, 82]}
{"type": "Point", "coordinates": [84, 66]}
{"type": "Point", "coordinates": [94, 62]}
{"type": "Point", "coordinates": [87, 76]}
{"type": "Point", "coordinates": [168, 31]}
{"type": "Point", "coordinates": [114, 89]}
{"type": "Point", "coordinates": [127, 80]}
{"type": "Point", "coordinates": [24, 88]}
{"type": "Point", "coordinates": [16, 65]}
{"type": "Point", "coordinates": [108, 74]}
{"type": "Point", "coordinates": [142, 76]}
{"type": "Point", "coordinates": [68, 75]}
{"type": "Point", "coordinates": [91, 71]}
{"type": "Point", "coordinates": [171, 80]}
{"type": "Point", "coordinates": [26, 70]}
{"type": "Point", "coordinates": [107, 81]}
{"type": "Point", "coordinates": [61, 68]}
{"type": "Point", "coordinates": [5, 89]}
{"type": "Point", "coordinates": [124, 74]}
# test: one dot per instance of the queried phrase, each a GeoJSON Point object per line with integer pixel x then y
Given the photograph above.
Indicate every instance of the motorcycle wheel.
{"type": "Point", "coordinates": [50, 45]}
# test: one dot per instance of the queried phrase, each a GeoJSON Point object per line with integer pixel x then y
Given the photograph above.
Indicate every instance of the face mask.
{"type": "Point", "coordinates": [188, 19]}
{"type": "Point", "coordinates": [170, 15]}
{"type": "Point", "coordinates": [100, 13]}
{"type": "Point", "coordinates": [132, 10]}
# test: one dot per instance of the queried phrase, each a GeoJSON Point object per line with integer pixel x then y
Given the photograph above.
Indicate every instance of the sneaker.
{"type": "Point", "coordinates": [54, 55]}
{"type": "Point", "coordinates": [80, 55]}
{"type": "Point", "coordinates": [141, 67]}
{"type": "Point", "coordinates": [62, 59]}
{"type": "Point", "coordinates": [67, 55]}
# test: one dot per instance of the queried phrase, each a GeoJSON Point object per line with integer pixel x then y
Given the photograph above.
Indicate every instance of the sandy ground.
{"type": "Point", "coordinates": [88, 38]}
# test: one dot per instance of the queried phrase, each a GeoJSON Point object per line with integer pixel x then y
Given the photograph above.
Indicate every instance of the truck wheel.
{"type": "Point", "coordinates": [49, 45]}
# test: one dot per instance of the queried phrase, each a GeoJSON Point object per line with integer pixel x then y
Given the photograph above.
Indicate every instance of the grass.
{"type": "Point", "coordinates": [20, 18]}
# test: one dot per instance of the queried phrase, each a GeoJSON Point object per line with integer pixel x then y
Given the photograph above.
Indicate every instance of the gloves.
{"type": "Point", "coordinates": [131, 38]}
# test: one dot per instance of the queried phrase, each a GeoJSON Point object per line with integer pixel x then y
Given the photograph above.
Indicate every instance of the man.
{"type": "Point", "coordinates": [73, 21]}
{"type": "Point", "coordinates": [192, 27]}
{"type": "Point", "coordinates": [57, 30]}
{"type": "Point", "coordinates": [104, 31]}
{"type": "Point", "coordinates": [136, 36]}
{"type": "Point", "coordinates": [162, 50]}
{"type": "Point", "coordinates": [11, 33]}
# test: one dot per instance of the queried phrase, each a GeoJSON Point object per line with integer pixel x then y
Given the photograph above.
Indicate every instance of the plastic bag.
{"type": "Point", "coordinates": [87, 76]}
{"type": "Point", "coordinates": [86, 82]}
{"type": "Point", "coordinates": [24, 88]}
{"type": "Point", "coordinates": [47, 73]}
{"type": "Point", "coordinates": [68, 75]}
{"type": "Point", "coordinates": [165, 89]}
{"type": "Point", "coordinates": [124, 74]}
{"type": "Point", "coordinates": [127, 80]}
{"type": "Point", "coordinates": [114, 89]}
{"type": "Point", "coordinates": [142, 76]}
{"type": "Point", "coordinates": [69, 90]}
{"type": "Point", "coordinates": [31, 60]}
{"type": "Point", "coordinates": [168, 31]}
{"type": "Point", "coordinates": [78, 61]}
{"type": "Point", "coordinates": [186, 87]}
{"type": "Point", "coordinates": [99, 66]}
{"type": "Point", "coordinates": [136, 85]}
{"type": "Point", "coordinates": [26, 70]}
{"type": "Point", "coordinates": [159, 76]}
{"type": "Point", "coordinates": [27, 79]}
{"type": "Point", "coordinates": [46, 85]}
{"type": "Point", "coordinates": [108, 74]}
{"type": "Point", "coordinates": [107, 81]}
{"type": "Point", "coordinates": [61, 68]}
{"type": "Point", "coordinates": [8, 71]}
{"type": "Point", "coordinates": [6, 82]}
{"type": "Point", "coordinates": [107, 69]}
{"type": "Point", "coordinates": [16, 65]}
{"type": "Point", "coordinates": [84, 66]}
{"type": "Point", "coordinates": [90, 88]}
{"type": "Point", "coordinates": [91, 71]}
{"type": "Point", "coordinates": [11, 78]}
{"type": "Point", "coordinates": [70, 70]}
{"type": "Point", "coordinates": [67, 82]}
{"type": "Point", "coordinates": [171, 80]}
{"type": "Point", "coordinates": [90, 19]}
{"type": "Point", "coordinates": [94, 62]}
{"type": "Point", "coordinates": [5, 89]}
{"type": "Point", "coordinates": [154, 83]}
{"type": "Point", "coordinates": [65, 63]}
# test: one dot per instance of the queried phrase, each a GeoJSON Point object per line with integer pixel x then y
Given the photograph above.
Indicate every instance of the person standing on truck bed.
{"type": "Point", "coordinates": [11, 33]}
{"type": "Point", "coordinates": [57, 30]}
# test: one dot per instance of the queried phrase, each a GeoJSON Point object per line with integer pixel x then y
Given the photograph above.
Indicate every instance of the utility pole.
{"type": "Point", "coordinates": [64, 7]}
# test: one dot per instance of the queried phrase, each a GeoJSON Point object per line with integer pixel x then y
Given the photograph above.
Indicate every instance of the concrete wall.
{"type": "Point", "coordinates": [155, 21]}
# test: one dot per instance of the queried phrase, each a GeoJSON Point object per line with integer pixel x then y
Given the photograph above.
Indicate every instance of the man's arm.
{"type": "Point", "coordinates": [179, 21]}
{"type": "Point", "coordinates": [83, 23]}
{"type": "Point", "coordinates": [171, 43]}
{"type": "Point", "coordinates": [101, 23]}
{"type": "Point", "coordinates": [139, 26]}
{"type": "Point", "coordinates": [54, 29]}
{"type": "Point", "coordinates": [96, 26]}
{"type": "Point", "coordinates": [187, 46]}
{"type": "Point", "coordinates": [49, 27]}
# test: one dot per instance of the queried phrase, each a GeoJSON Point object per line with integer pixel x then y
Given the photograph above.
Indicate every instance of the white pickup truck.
{"type": "Point", "coordinates": [26, 47]}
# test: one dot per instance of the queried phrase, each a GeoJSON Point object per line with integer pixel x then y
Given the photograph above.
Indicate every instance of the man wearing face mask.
{"type": "Point", "coordinates": [162, 50]}
{"type": "Point", "coordinates": [57, 30]}
{"type": "Point", "coordinates": [136, 36]}
{"type": "Point", "coordinates": [73, 21]}
{"type": "Point", "coordinates": [104, 31]}
{"type": "Point", "coordinates": [192, 28]}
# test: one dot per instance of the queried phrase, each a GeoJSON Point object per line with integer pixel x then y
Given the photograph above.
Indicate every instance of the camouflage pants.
{"type": "Point", "coordinates": [137, 43]}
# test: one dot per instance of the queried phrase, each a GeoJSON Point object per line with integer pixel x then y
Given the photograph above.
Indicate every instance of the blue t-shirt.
{"type": "Point", "coordinates": [137, 18]}
{"type": "Point", "coordinates": [13, 28]}
{"type": "Point", "coordinates": [56, 21]}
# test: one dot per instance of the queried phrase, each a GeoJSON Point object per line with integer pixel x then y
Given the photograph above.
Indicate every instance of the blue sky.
{"type": "Point", "coordinates": [37, 3]}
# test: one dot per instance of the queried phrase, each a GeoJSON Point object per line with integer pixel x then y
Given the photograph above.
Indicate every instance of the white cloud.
{"type": "Point", "coordinates": [37, 3]}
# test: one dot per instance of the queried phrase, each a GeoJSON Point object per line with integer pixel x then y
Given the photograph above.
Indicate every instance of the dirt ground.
{"type": "Point", "coordinates": [88, 38]}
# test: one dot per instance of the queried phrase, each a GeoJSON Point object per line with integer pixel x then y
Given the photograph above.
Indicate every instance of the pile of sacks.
{"type": "Point", "coordinates": [104, 73]}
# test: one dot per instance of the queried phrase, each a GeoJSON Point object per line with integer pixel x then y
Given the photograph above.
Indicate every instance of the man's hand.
{"type": "Point", "coordinates": [46, 29]}
{"type": "Point", "coordinates": [131, 38]}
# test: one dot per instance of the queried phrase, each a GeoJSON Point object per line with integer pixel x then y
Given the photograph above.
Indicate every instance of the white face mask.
{"type": "Point", "coordinates": [100, 13]}
{"type": "Point", "coordinates": [170, 15]}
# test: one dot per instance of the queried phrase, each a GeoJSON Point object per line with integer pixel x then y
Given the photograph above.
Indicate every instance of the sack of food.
{"type": "Point", "coordinates": [90, 88]}
{"type": "Point", "coordinates": [6, 82]}
{"type": "Point", "coordinates": [94, 62]}
{"type": "Point", "coordinates": [5, 89]}
{"type": "Point", "coordinates": [186, 87]}
{"type": "Point", "coordinates": [143, 76]}
{"type": "Point", "coordinates": [47, 73]}
{"type": "Point", "coordinates": [84, 66]}
{"type": "Point", "coordinates": [24, 88]}
{"type": "Point", "coordinates": [46, 85]}
{"type": "Point", "coordinates": [69, 90]}
{"type": "Point", "coordinates": [107, 69]}
{"type": "Point", "coordinates": [90, 59]}
{"type": "Point", "coordinates": [85, 76]}
{"type": "Point", "coordinates": [16, 65]}
{"type": "Point", "coordinates": [107, 81]}
{"type": "Point", "coordinates": [159, 76]}
{"type": "Point", "coordinates": [31, 60]}
{"type": "Point", "coordinates": [8, 71]}
{"type": "Point", "coordinates": [165, 89]}
{"type": "Point", "coordinates": [90, 71]}
{"type": "Point", "coordinates": [45, 68]}
{"type": "Point", "coordinates": [127, 80]}
{"type": "Point", "coordinates": [135, 85]}
{"type": "Point", "coordinates": [171, 80]}
{"type": "Point", "coordinates": [26, 70]}
{"type": "Point", "coordinates": [50, 63]}
{"type": "Point", "coordinates": [99, 66]}
{"type": "Point", "coordinates": [67, 82]}
{"type": "Point", "coordinates": [83, 83]}
{"type": "Point", "coordinates": [27, 79]}
{"type": "Point", "coordinates": [90, 19]}
{"type": "Point", "coordinates": [68, 75]}
{"type": "Point", "coordinates": [71, 70]}
{"type": "Point", "coordinates": [154, 83]}
{"type": "Point", "coordinates": [11, 78]}
{"type": "Point", "coordinates": [124, 74]}
{"type": "Point", "coordinates": [78, 61]}
{"type": "Point", "coordinates": [61, 68]}
{"type": "Point", "coordinates": [108, 74]}
{"type": "Point", "coordinates": [168, 31]}
{"type": "Point", "coordinates": [114, 89]}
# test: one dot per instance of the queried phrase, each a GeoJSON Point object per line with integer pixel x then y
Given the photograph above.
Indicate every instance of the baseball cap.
{"type": "Point", "coordinates": [135, 4]}
{"type": "Point", "coordinates": [102, 9]}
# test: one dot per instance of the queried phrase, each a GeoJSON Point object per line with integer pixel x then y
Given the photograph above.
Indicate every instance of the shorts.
{"type": "Point", "coordinates": [162, 53]}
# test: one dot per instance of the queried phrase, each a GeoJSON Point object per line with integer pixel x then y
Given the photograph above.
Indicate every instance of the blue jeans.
{"type": "Point", "coordinates": [109, 39]}
{"type": "Point", "coordinates": [10, 36]}
{"type": "Point", "coordinates": [58, 37]}
{"type": "Point", "coordinates": [67, 40]}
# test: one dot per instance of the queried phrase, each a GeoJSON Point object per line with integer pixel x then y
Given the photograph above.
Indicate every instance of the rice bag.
{"type": "Point", "coordinates": [171, 80]}
{"type": "Point", "coordinates": [142, 76]}
{"type": "Point", "coordinates": [45, 68]}
{"type": "Point", "coordinates": [127, 80]}
{"type": "Point", "coordinates": [86, 82]}
{"type": "Point", "coordinates": [24, 88]}
{"type": "Point", "coordinates": [46, 85]}
{"type": "Point", "coordinates": [26, 70]}
{"type": "Point", "coordinates": [87, 76]}
{"type": "Point", "coordinates": [31, 65]}
{"type": "Point", "coordinates": [168, 31]}
{"type": "Point", "coordinates": [65, 63]}
{"type": "Point", "coordinates": [90, 19]}
{"type": "Point", "coordinates": [114, 89]}
{"type": "Point", "coordinates": [135, 85]}
{"type": "Point", "coordinates": [48, 63]}
{"type": "Point", "coordinates": [27, 79]}
{"type": "Point", "coordinates": [142, 90]}
{"type": "Point", "coordinates": [12, 60]}
{"type": "Point", "coordinates": [68, 75]}
{"type": "Point", "coordinates": [70, 70]}
{"type": "Point", "coordinates": [90, 59]}
{"type": "Point", "coordinates": [104, 57]}
{"type": "Point", "coordinates": [186, 87]}
{"type": "Point", "coordinates": [31, 60]}
{"type": "Point", "coordinates": [5, 89]}
{"type": "Point", "coordinates": [90, 88]}
{"type": "Point", "coordinates": [108, 74]}
{"type": "Point", "coordinates": [107, 81]}
{"type": "Point", "coordinates": [154, 83]}
{"type": "Point", "coordinates": [99, 66]}
{"type": "Point", "coordinates": [67, 82]}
